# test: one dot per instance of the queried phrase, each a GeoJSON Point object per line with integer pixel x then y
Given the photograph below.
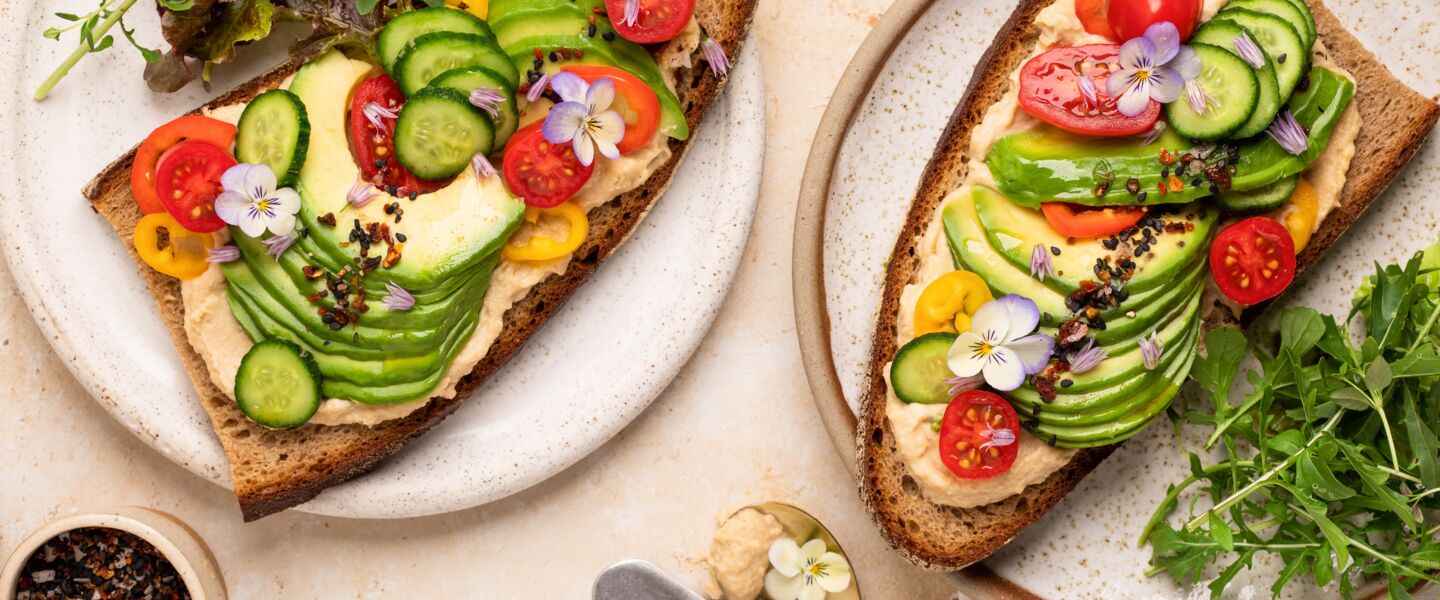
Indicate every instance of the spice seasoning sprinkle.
{"type": "Point", "coordinates": [101, 563]}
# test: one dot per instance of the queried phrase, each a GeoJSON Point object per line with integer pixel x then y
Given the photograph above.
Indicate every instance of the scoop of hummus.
{"type": "Point", "coordinates": [740, 555]}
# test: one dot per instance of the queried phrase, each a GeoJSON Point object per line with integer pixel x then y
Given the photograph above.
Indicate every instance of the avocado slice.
{"type": "Point", "coordinates": [1045, 164]}
{"type": "Point", "coordinates": [1154, 400]}
{"type": "Point", "coordinates": [1014, 230]}
{"type": "Point", "coordinates": [972, 251]}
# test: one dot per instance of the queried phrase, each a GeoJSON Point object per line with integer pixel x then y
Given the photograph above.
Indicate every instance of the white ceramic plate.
{"type": "Point", "coordinates": [1086, 546]}
{"type": "Point", "coordinates": [601, 360]}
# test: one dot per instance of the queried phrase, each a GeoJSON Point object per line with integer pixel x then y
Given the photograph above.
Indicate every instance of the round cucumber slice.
{"type": "Point", "coordinates": [1286, 11]}
{"type": "Point", "coordinates": [1261, 199]}
{"type": "Point", "coordinates": [1234, 91]}
{"type": "Point", "coordinates": [1224, 35]}
{"type": "Point", "coordinates": [1278, 39]}
{"type": "Point", "coordinates": [274, 130]}
{"type": "Point", "coordinates": [406, 28]}
{"type": "Point", "coordinates": [436, 53]}
{"type": "Point", "coordinates": [278, 385]}
{"type": "Point", "coordinates": [438, 132]}
{"type": "Point", "coordinates": [506, 117]}
{"type": "Point", "coordinates": [921, 367]}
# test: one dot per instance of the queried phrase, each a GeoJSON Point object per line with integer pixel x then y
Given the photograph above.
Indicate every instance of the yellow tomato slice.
{"type": "Point", "coordinates": [171, 249]}
{"type": "Point", "coordinates": [1299, 214]}
{"type": "Point", "coordinates": [540, 247]}
{"type": "Point", "coordinates": [479, 8]}
{"type": "Point", "coordinates": [948, 303]}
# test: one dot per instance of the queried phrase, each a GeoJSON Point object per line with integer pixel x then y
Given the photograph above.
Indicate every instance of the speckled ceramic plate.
{"type": "Point", "coordinates": [599, 362]}
{"type": "Point", "coordinates": [1086, 546]}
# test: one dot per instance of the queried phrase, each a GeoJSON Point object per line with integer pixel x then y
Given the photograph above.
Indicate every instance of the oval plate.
{"type": "Point", "coordinates": [863, 172]}
{"type": "Point", "coordinates": [600, 361]}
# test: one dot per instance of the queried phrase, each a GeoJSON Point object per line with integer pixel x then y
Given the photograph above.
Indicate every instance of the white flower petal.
{"type": "Point", "coordinates": [964, 358]}
{"type": "Point", "coordinates": [285, 201]}
{"type": "Point", "coordinates": [584, 148]}
{"type": "Point", "coordinates": [812, 592]}
{"type": "Point", "coordinates": [1024, 315]}
{"type": "Point", "coordinates": [1188, 64]}
{"type": "Point", "coordinates": [1136, 54]}
{"type": "Point", "coordinates": [607, 129]}
{"type": "Point", "coordinates": [230, 205]}
{"type": "Point", "coordinates": [564, 121]}
{"type": "Point", "coordinates": [259, 182]}
{"type": "Point", "coordinates": [281, 224]}
{"type": "Point", "coordinates": [569, 86]}
{"type": "Point", "coordinates": [251, 223]}
{"type": "Point", "coordinates": [1033, 351]}
{"type": "Point", "coordinates": [1165, 38]}
{"type": "Point", "coordinates": [786, 558]}
{"type": "Point", "coordinates": [233, 179]}
{"type": "Point", "coordinates": [1003, 370]}
{"type": "Point", "coordinates": [813, 549]}
{"type": "Point", "coordinates": [992, 322]}
{"type": "Point", "coordinates": [1135, 100]}
{"type": "Point", "coordinates": [837, 573]}
{"type": "Point", "coordinates": [1118, 82]}
{"type": "Point", "coordinates": [782, 587]}
{"type": "Point", "coordinates": [1165, 85]}
{"type": "Point", "coordinates": [601, 95]}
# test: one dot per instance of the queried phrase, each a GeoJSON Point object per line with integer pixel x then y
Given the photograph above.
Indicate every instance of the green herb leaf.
{"type": "Point", "coordinates": [1351, 398]}
{"type": "Point", "coordinates": [177, 5]}
{"type": "Point", "coordinates": [1300, 328]}
{"type": "Point", "coordinates": [1378, 377]}
{"type": "Point", "coordinates": [68, 16]}
{"type": "Point", "coordinates": [1423, 445]}
{"type": "Point", "coordinates": [1220, 532]}
{"type": "Point", "coordinates": [1317, 478]}
{"type": "Point", "coordinates": [365, 6]}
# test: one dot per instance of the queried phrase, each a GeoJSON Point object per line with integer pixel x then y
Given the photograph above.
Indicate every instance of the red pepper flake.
{"type": "Point", "coordinates": [312, 272]}
{"type": "Point", "coordinates": [392, 255]}
{"type": "Point", "coordinates": [539, 54]}
{"type": "Point", "coordinates": [327, 219]}
{"type": "Point", "coordinates": [98, 562]}
{"type": "Point", "coordinates": [1163, 189]}
{"type": "Point", "coordinates": [1166, 158]}
{"type": "Point", "coordinates": [1175, 184]}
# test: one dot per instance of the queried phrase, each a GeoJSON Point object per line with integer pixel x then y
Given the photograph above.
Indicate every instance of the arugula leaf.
{"type": "Point", "coordinates": [1300, 328]}
{"type": "Point", "coordinates": [1423, 445]}
{"type": "Point", "coordinates": [1317, 477]}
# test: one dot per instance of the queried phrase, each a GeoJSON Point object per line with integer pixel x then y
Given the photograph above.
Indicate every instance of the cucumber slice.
{"type": "Point", "coordinates": [274, 130]}
{"type": "Point", "coordinates": [278, 385]}
{"type": "Point", "coordinates": [438, 132]}
{"type": "Point", "coordinates": [1259, 200]}
{"type": "Point", "coordinates": [1287, 12]}
{"type": "Point", "coordinates": [1224, 34]}
{"type": "Point", "coordinates": [507, 116]}
{"type": "Point", "coordinates": [920, 369]}
{"type": "Point", "coordinates": [1234, 90]}
{"type": "Point", "coordinates": [1309, 19]}
{"type": "Point", "coordinates": [1278, 39]}
{"type": "Point", "coordinates": [436, 53]}
{"type": "Point", "coordinates": [406, 28]}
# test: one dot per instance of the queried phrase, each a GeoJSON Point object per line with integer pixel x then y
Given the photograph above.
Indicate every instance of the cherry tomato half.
{"type": "Point", "coordinates": [659, 20]}
{"type": "Point", "coordinates": [979, 435]}
{"type": "Point", "coordinates": [179, 253]}
{"type": "Point", "coordinates": [1074, 220]}
{"type": "Point", "coordinates": [192, 127]}
{"type": "Point", "coordinates": [1094, 16]}
{"type": "Point", "coordinates": [188, 181]}
{"type": "Point", "coordinates": [634, 100]}
{"type": "Point", "coordinates": [545, 175]}
{"type": "Point", "coordinates": [1253, 260]}
{"type": "Point", "coordinates": [1130, 18]}
{"type": "Point", "coordinates": [375, 148]}
{"type": "Point", "coordinates": [1050, 91]}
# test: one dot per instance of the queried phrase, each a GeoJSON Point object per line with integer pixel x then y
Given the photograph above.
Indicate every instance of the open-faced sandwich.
{"type": "Point", "coordinates": [1120, 175]}
{"type": "Point", "coordinates": [347, 246]}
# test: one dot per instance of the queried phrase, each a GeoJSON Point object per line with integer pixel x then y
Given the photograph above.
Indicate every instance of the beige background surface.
{"type": "Point", "coordinates": [737, 426]}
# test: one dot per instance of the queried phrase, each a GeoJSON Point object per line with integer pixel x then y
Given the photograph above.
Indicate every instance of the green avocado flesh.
{"type": "Point", "coordinates": [523, 27]}
{"type": "Point", "coordinates": [453, 241]}
{"type": "Point", "coordinates": [993, 237]}
{"type": "Point", "coordinates": [1045, 164]}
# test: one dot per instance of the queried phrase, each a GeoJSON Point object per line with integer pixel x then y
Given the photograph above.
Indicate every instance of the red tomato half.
{"type": "Point", "coordinates": [1253, 260]}
{"type": "Point", "coordinates": [545, 175]}
{"type": "Point", "coordinates": [659, 20]}
{"type": "Point", "coordinates": [1050, 91]}
{"type": "Point", "coordinates": [1130, 18]}
{"type": "Point", "coordinates": [1074, 220]}
{"type": "Point", "coordinates": [188, 181]}
{"type": "Point", "coordinates": [375, 148]}
{"type": "Point", "coordinates": [1094, 16]}
{"type": "Point", "coordinates": [979, 435]}
{"type": "Point", "coordinates": [634, 100]}
{"type": "Point", "coordinates": [191, 127]}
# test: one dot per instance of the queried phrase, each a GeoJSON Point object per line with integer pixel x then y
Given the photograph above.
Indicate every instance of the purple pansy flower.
{"type": "Point", "coordinates": [999, 344]}
{"type": "Point", "coordinates": [1152, 67]}
{"type": "Point", "coordinates": [583, 117]}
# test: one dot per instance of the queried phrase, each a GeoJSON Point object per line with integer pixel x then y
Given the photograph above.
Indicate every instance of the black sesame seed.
{"type": "Point", "coordinates": [1110, 244]}
{"type": "Point", "coordinates": [554, 57]}
{"type": "Point", "coordinates": [1066, 383]}
{"type": "Point", "coordinates": [1214, 189]}
{"type": "Point", "coordinates": [1055, 250]}
{"type": "Point", "coordinates": [539, 64]}
{"type": "Point", "coordinates": [591, 31]}
{"type": "Point", "coordinates": [609, 36]}
{"type": "Point", "coordinates": [1281, 59]}
{"type": "Point", "coordinates": [401, 237]}
{"type": "Point", "coordinates": [1142, 196]}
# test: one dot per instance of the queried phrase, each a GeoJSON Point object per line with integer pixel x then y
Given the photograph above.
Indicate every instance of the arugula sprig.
{"type": "Point", "coordinates": [1330, 459]}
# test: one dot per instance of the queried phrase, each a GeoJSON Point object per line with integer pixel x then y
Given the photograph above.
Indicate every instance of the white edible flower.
{"type": "Point", "coordinates": [252, 202]}
{"type": "Point", "coordinates": [584, 117]}
{"type": "Point", "coordinates": [808, 572]}
{"type": "Point", "coordinates": [999, 344]}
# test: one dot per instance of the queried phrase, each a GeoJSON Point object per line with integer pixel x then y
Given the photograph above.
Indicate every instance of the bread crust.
{"type": "Point", "coordinates": [1395, 120]}
{"type": "Point", "coordinates": [274, 470]}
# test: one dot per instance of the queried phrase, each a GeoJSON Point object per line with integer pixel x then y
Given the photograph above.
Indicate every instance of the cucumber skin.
{"type": "Point", "coordinates": [302, 145]}
{"type": "Point", "coordinates": [310, 367]}
{"type": "Point", "coordinates": [1182, 125]}
{"type": "Point", "coordinates": [451, 96]}
{"type": "Point", "coordinates": [383, 42]}
{"type": "Point", "coordinates": [911, 347]}
{"type": "Point", "coordinates": [1259, 200]}
{"type": "Point", "coordinates": [505, 67]}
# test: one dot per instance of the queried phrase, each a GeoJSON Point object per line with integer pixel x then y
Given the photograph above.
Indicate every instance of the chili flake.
{"type": "Point", "coordinates": [99, 562]}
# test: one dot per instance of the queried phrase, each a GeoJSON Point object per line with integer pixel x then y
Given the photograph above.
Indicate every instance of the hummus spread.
{"type": "Point", "coordinates": [740, 555]}
{"type": "Point", "coordinates": [217, 337]}
{"type": "Point", "coordinates": [917, 443]}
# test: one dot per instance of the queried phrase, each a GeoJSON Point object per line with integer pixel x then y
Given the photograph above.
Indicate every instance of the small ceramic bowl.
{"type": "Point", "coordinates": [178, 543]}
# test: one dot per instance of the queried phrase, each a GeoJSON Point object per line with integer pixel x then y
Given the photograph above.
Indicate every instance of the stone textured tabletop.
{"type": "Point", "coordinates": [737, 426]}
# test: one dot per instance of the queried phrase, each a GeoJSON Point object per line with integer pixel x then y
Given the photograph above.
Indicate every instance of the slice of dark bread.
{"type": "Point", "coordinates": [1395, 120]}
{"type": "Point", "coordinates": [274, 470]}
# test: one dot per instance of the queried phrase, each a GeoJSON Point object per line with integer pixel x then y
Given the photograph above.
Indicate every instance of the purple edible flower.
{"type": "Point", "coordinates": [1197, 97]}
{"type": "Point", "coordinates": [222, 254]}
{"type": "Point", "coordinates": [632, 12]}
{"type": "Point", "coordinates": [584, 117]}
{"type": "Point", "coordinates": [1249, 51]}
{"type": "Point", "coordinates": [374, 112]}
{"type": "Point", "coordinates": [537, 89]}
{"type": "Point", "coordinates": [1151, 349]}
{"type": "Point", "coordinates": [482, 166]}
{"type": "Point", "coordinates": [276, 245]}
{"type": "Point", "coordinates": [960, 385]}
{"type": "Point", "coordinates": [399, 298]}
{"type": "Point", "coordinates": [1088, 91]}
{"type": "Point", "coordinates": [1286, 131]}
{"type": "Point", "coordinates": [1154, 133]}
{"type": "Point", "coordinates": [487, 100]}
{"type": "Point", "coordinates": [1154, 66]}
{"type": "Point", "coordinates": [715, 55]}
{"type": "Point", "coordinates": [361, 193]}
{"type": "Point", "coordinates": [1040, 262]}
{"type": "Point", "coordinates": [1088, 357]}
